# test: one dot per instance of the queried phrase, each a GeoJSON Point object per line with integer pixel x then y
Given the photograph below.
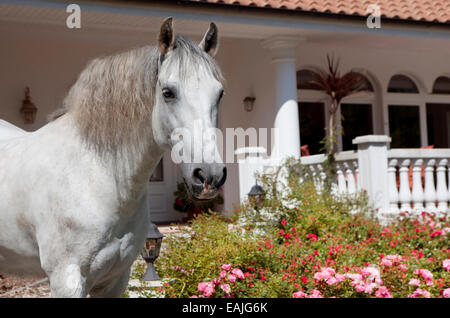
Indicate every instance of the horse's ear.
{"type": "Point", "coordinates": [210, 42]}
{"type": "Point", "coordinates": [165, 38]}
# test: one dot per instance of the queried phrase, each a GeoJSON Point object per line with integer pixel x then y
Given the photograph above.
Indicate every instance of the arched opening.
{"type": "Point", "coordinates": [355, 117]}
{"type": "Point", "coordinates": [438, 115]}
{"type": "Point", "coordinates": [357, 114]}
{"type": "Point", "coordinates": [306, 78]}
{"type": "Point", "coordinates": [404, 113]}
{"type": "Point", "coordinates": [402, 84]}
{"type": "Point", "coordinates": [441, 85]}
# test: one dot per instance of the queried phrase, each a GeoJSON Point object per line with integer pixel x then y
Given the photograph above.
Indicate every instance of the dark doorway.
{"type": "Point", "coordinates": [438, 117]}
{"type": "Point", "coordinates": [404, 126]}
{"type": "Point", "coordinates": [356, 120]}
{"type": "Point", "coordinates": [312, 125]}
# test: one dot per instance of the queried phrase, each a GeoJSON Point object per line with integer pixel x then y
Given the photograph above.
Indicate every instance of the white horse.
{"type": "Point", "coordinates": [73, 193]}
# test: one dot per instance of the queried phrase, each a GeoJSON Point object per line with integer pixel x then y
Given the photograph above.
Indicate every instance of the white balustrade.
{"type": "Point", "coordinates": [342, 186]}
{"type": "Point", "coordinates": [430, 178]}
{"type": "Point", "coordinates": [351, 183]}
{"type": "Point", "coordinates": [430, 190]}
{"type": "Point", "coordinates": [384, 174]}
{"type": "Point", "coordinates": [393, 191]}
{"type": "Point", "coordinates": [358, 179]}
{"type": "Point", "coordinates": [417, 187]}
{"type": "Point", "coordinates": [404, 194]}
{"type": "Point", "coordinates": [441, 185]}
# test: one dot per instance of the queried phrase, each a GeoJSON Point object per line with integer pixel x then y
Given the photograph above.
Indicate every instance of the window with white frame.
{"type": "Point", "coordinates": [357, 114]}
{"type": "Point", "coordinates": [438, 113]}
{"type": "Point", "coordinates": [406, 113]}
{"type": "Point", "coordinates": [312, 115]}
{"type": "Point", "coordinates": [355, 117]}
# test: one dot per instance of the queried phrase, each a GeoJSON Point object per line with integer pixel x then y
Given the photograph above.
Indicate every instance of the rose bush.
{"type": "Point", "coordinates": [315, 248]}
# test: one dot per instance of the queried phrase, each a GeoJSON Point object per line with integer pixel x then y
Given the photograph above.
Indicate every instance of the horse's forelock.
{"type": "Point", "coordinates": [189, 57]}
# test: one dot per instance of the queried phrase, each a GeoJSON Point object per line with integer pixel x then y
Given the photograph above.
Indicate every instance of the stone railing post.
{"type": "Point", "coordinates": [373, 169]}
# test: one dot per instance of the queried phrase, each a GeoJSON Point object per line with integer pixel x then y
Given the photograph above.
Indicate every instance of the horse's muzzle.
{"type": "Point", "coordinates": [207, 179]}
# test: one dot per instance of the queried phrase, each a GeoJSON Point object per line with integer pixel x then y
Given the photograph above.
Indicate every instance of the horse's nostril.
{"type": "Point", "coordinates": [199, 174]}
{"type": "Point", "coordinates": [224, 177]}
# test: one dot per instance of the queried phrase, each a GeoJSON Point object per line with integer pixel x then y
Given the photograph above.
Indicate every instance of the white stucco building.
{"type": "Point", "coordinates": [267, 51]}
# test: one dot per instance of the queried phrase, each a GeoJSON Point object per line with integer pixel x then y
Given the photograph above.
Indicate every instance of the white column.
{"type": "Point", "coordinates": [373, 169]}
{"type": "Point", "coordinates": [287, 127]}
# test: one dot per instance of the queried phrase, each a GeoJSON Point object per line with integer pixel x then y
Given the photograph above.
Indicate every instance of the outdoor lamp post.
{"type": "Point", "coordinates": [150, 252]}
{"type": "Point", "coordinates": [256, 196]}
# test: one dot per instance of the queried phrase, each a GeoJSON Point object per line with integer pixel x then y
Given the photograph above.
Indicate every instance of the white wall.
{"type": "Point", "coordinates": [49, 62]}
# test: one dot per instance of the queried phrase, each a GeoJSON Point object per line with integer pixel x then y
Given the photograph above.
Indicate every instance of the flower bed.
{"type": "Point", "coordinates": [315, 249]}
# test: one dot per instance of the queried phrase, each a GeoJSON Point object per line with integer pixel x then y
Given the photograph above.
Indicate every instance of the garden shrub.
{"type": "Point", "coordinates": [317, 245]}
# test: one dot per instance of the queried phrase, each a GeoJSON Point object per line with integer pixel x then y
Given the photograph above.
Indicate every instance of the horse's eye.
{"type": "Point", "coordinates": [168, 93]}
{"type": "Point", "coordinates": [220, 96]}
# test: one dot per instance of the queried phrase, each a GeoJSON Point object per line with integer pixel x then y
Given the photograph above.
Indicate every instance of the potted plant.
{"type": "Point", "coordinates": [183, 203]}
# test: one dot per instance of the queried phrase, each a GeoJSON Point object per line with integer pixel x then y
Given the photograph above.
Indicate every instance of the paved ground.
{"type": "Point", "coordinates": [17, 287]}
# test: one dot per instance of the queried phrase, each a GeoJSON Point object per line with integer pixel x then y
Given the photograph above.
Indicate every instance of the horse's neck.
{"type": "Point", "coordinates": [132, 170]}
{"type": "Point", "coordinates": [129, 167]}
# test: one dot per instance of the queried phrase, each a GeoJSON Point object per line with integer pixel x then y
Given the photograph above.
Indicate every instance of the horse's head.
{"type": "Point", "coordinates": [185, 113]}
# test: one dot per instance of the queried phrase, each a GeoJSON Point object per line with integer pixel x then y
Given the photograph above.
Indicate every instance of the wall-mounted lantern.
{"type": "Point", "coordinates": [28, 109]}
{"type": "Point", "coordinates": [249, 103]}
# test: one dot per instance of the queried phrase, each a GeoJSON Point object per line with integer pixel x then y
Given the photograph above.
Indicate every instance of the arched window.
{"type": "Point", "coordinates": [365, 84]}
{"type": "Point", "coordinates": [311, 105]}
{"type": "Point", "coordinates": [404, 114]}
{"type": "Point", "coordinates": [441, 85]}
{"type": "Point", "coordinates": [356, 114]}
{"type": "Point", "coordinates": [402, 84]}
{"type": "Point", "coordinates": [305, 78]}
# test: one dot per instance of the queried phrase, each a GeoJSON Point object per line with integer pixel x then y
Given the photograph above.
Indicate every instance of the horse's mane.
{"type": "Point", "coordinates": [112, 99]}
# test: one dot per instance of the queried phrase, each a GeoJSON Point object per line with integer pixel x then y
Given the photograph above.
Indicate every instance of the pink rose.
{"type": "Point", "coordinates": [368, 288]}
{"type": "Point", "coordinates": [386, 262]}
{"type": "Point", "coordinates": [383, 292]}
{"type": "Point", "coordinates": [231, 278]}
{"type": "Point", "coordinates": [299, 294]}
{"type": "Point", "coordinates": [238, 273]}
{"type": "Point", "coordinates": [223, 274]}
{"type": "Point", "coordinates": [359, 288]}
{"type": "Point", "coordinates": [414, 282]}
{"type": "Point", "coordinates": [318, 276]}
{"type": "Point", "coordinates": [207, 288]}
{"type": "Point", "coordinates": [339, 278]}
{"type": "Point", "coordinates": [446, 264]}
{"type": "Point", "coordinates": [426, 274]}
{"type": "Point", "coordinates": [315, 294]}
{"type": "Point", "coordinates": [226, 288]}
{"type": "Point", "coordinates": [331, 281]}
{"type": "Point", "coordinates": [446, 293]}
{"type": "Point", "coordinates": [420, 293]}
{"type": "Point", "coordinates": [226, 267]}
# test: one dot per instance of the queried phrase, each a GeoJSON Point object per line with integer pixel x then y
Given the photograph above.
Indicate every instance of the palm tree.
{"type": "Point", "coordinates": [337, 87]}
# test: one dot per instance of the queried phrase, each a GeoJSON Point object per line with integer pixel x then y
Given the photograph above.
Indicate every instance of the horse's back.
{"type": "Point", "coordinates": [9, 131]}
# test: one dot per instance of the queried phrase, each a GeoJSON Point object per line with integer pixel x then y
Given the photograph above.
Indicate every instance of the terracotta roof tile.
{"type": "Point", "coordinates": [417, 10]}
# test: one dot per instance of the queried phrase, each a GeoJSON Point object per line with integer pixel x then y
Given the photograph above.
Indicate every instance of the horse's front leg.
{"type": "Point", "coordinates": [113, 288]}
{"type": "Point", "coordinates": [67, 281]}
